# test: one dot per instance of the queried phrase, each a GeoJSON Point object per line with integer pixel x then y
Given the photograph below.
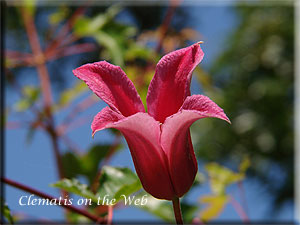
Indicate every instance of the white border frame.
{"type": "Point", "coordinates": [295, 3]}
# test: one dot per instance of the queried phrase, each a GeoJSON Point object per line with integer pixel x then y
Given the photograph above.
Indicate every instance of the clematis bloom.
{"type": "Point", "coordinates": [160, 140]}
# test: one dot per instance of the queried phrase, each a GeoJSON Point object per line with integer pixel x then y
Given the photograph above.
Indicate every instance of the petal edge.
{"type": "Point", "coordinates": [171, 82]}
{"type": "Point", "coordinates": [112, 85]}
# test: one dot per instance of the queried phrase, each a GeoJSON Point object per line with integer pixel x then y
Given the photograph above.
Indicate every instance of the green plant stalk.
{"type": "Point", "coordinates": [177, 210]}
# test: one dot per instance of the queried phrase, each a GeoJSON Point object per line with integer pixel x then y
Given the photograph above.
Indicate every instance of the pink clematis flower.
{"type": "Point", "coordinates": [159, 141]}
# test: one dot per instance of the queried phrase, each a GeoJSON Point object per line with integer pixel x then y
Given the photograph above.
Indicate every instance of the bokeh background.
{"type": "Point", "coordinates": [246, 170]}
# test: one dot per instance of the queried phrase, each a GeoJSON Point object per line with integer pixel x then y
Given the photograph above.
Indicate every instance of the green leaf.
{"type": "Point", "coordinates": [31, 95]}
{"type": "Point", "coordinates": [85, 26]}
{"type": "Point", "coordinates": [94, 155]}
{"type": "Point", "coordinates": [109, 34]}
{"type": "Point", "coordinates": [188, 212]}
{"type": "Point", "coordinates": [215, 206]}
{"type": "Point", "coordinates": [31, 92]}
{"type": "Point", "coordinates": [6, 212]}
{"type": "Point", "coordinates": [86, 164]}
{"type": "Point", "coordinates": [163, 209]}
{"type": "Point", "coordinates": [91, 160]}
{"type": "Point", "coordinates": [75, 218]}
{"type": "Point", "coordinates": [128, 189]}
{"type": "Point", "coordinates": [58, 16]}
{"type": "Point", "coordinates": [111, 45]}
{"type": "Point", "coordinates": [136, 51]}
{"type": "Point", "coordinates": [221, 177]}
{"type": "Point", "coordinates": [71, 165]}
{"type": "Point", "coordinates": [22, 105]}
{"type": "Point", "coordinates": [160, 208]}
{"type": "Point", "coordinates": [245, 164]}
{"type": "Point", "coordinates": [118, 181]}
{"type": "Point", "coordinates": [75, 187]}
{"type": "Point", "coordinates": [114, 182]}
{"type": "Point", "coordinates": [81, 26]}
{"type": "Point", "coordinates": [29, 6]}
{"type": "Point", "coordinates": [70, 94]}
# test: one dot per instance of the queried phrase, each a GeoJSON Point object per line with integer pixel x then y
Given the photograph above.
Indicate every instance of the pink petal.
{"type": "Point", "coordinates": [111, 84]}
{"type": "Point", "coordinates": [104, 119]}
{"type": "Point", "coordinates": [171, 82]}
{"type": "Point", "coordinates": [142, 134]}
{"type": "Point", "coordinates": [176, 141]}
{"type": "Point", "coordinates": [204, 106]}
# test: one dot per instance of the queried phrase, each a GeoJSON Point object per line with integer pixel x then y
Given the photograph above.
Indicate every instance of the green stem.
{"type": "Point", "coordinates": [177, 210]}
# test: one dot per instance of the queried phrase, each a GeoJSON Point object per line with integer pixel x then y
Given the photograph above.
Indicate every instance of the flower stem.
{"type": "Point", "coordinates": [177, 210]}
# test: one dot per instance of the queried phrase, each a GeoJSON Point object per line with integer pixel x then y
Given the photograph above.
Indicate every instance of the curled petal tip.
{"type": "Point", "coordinates": [93, 133]}
{"type": "Point", "coordinates": [200, 42]}
{"type": "Point", "coordinates": [226, 118]}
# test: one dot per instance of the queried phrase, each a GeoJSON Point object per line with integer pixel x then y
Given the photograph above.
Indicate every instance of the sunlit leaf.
{"type": "Point", "coordinates": [81, 26]}
{"type": "Point", "coordinates": [70, 94]}
{"type": "Point", "coordinates": [111, 44]}
{"type": "Point", "coordinates": [245, 164]}
{"type": "Point", "coordinates": [75, 187]}
{"type": "Point", "coordinates": [118, 181]}
{"type": "Point", "coordinates": [59, 15]}
{"type": "Point", "coordinates": [6, 212]}
{"type": "Point", "coordinates": [137, 51]}
{"type": "Point", "coordinates": [76, 218]}
{"type": "Point", "coordinates": [85, 26]}
{"type": "Point", "coordinates": [31, 92]}
{"type": "Point", "coordinates": [163, 209]}
{"type": "Point", "coordinates": [160, 208]}
{"type": "Point", "coordinates": [221, 177]}
{"type": "Point", "coordinates": [30, 6]}
{"type": "Point", "coordinates": [214, 208]}
{"type": "Point", "coordinates": [22, 105]}
{"type": "Point", "coordinates": [31, 95]}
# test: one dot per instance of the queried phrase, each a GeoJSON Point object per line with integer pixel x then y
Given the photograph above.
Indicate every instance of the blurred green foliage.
{"type": "Point", "coordinates": [5, 211]}
{"type": "Point", "coordinates": [254, 86]}
{"type": "Point", "coordinates": [112, 184]}
{"type": "Point", "coordinates": [115, 182]}
{"type": "Point", "coordinates": [74, 186]}
{"type": "Point", "coordinates": [86, 164]}
{"type": "Point", "coordinates": [31, 95]}
{"type": "Point", "coordinates": [215, 205]}
{"type": "Point", "coordinates": [70, 94]}
{"type": "Point", "coordinates": [163, 209]}
{"type": "Point", "coordinates": [220, 178]}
